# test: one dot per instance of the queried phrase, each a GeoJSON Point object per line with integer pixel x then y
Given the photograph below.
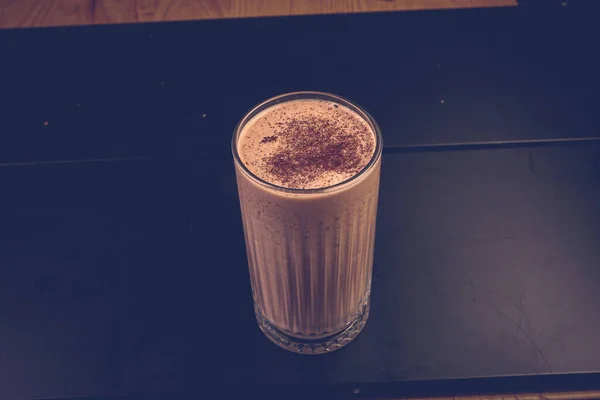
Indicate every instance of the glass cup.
{"type": "Point", "coordinates": [310, 251]}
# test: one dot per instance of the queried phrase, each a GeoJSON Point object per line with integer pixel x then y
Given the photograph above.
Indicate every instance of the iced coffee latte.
{"type": "Point", "coordinates": [307, 167]}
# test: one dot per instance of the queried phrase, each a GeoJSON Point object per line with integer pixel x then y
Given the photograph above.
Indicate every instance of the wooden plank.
{"type": "Point", "coordinates": [36, 13]}
{"type": "Point", "coordinates": [116, 11]}
{"type": "Point", "coordinates": [243, 8]}
{"type": "Point", "coordinates": [584, 395]}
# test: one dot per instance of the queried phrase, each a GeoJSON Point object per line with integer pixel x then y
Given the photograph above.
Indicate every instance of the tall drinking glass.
{"type": "Point", "coordinates": [307, 167]}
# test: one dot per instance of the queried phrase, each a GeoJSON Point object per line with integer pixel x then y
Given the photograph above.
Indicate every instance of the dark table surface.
{"type": "Point", "coordinates": [122, 262]}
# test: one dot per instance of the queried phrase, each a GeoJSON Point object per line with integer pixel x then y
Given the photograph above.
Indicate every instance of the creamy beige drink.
{"type": "Point", "coordinates": [307, 168]}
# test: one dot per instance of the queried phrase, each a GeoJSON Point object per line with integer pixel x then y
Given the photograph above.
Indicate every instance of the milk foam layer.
{"type": "Point", "coordinates": [306, 144]}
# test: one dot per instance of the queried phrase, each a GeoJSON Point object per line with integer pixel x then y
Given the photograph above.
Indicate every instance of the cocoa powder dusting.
{"type": "Point", "coordinates": [311, 145]}
{"type": "Point", "coordinates": [268, 139]}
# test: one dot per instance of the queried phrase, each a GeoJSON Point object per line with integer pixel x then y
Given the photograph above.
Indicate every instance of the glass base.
{"type": "Point", "coordinates": [317, 346]}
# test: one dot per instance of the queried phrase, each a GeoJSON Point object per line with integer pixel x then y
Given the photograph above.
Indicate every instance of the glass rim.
{"type": "Point", "coordinates": [282, 98]}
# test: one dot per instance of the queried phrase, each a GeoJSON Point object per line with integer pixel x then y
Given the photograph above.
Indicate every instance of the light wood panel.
{"type": "Point", "coordinates": [295, 7]}
{"type": "Point", "coordinates": [588, 395]}
{"type": "Point", "coordinates": [114, 11]}
{"type": "Point", "coordinates": [41, 13]}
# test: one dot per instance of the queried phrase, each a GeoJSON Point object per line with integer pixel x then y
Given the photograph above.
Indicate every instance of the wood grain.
{"type": "Point", "coordinates": [242, 8]}
{"type": "Point", "coordinates": [42, 13]}
{"type": "Point", "coordinates": [588, 395]}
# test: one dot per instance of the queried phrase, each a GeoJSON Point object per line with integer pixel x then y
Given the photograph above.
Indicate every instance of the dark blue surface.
{"type": "Point", "coordinates": [129, 275]}
{"type": "Point", "coordinates": [504, 74]}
